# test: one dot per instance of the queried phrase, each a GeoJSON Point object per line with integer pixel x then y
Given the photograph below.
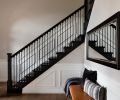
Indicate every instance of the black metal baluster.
{"type": "Point", "coordinates": [94, 36]}
{"type": "Point", "coordinates": [114, 40]}
{"type": "Point", "coordinates": [29, 57]}
{"type": "Point", "coordinates": [110, 40]}
{"type": "Point", "coordinates": [42, 50]}
{"type": "Point", "coordinates": [27, 60]}
{"type": "Point", "coordinates": [65, 34]}
{"type": "Point", "coordinates": [97, 39]}
{"type": "Point", "coordinates": [107, 40]}
{"type": "Point", "coordinates": [99, 36]}
{"type": "Point", "coordinates": [47, 46]}
{"type": "Point", "coordinates": [24, 63]}
{"type": "Point", "coordinates": [62, 34]}
{"type": "Point", "coordinates": [73, 26]}
{"type": "Point", "coordinates": [60, 37]}
{"type": "Point", "coordinates": [77, 26]}
{"type": "Point", "coordinates": [70, 29]}
{"type": "Point", "coordinates": [114, 50]}
{"type": "Point", "coordinates": [57, 39]}
{"type": "Point", "coordinates": [39, 51]}
{"type": "Point", "coordinates": [40, 46]}
{"type": "Point", "coordinates": [19, 67]}
{"type": "Point", "coordinates": [49, 43]}
{"type": "Point", "coordinates": [54, 45]}
{"type": "Point", "coordinates": [37, 56]}
{"type": "Point", "coordinates": [80, 23]}
{"type": "Point", "coordinates": [52, 42]}
{"type": "Point", "coordinates": [102, 37]}
{"type": "Point", "coordinates": [16, 67]}
{"type": "Point", "coordinates": [34, 54]}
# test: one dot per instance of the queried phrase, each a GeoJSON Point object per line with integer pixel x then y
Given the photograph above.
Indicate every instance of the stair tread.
{"type": "Point", "coordinates": [92, 41]}
{"type": "Point", "coordinates": [68, 48]}
{"type": "Point", "coordinates": [108, 52]}
{"type": "Point", "coordinates": [60, 52]}
{"type": "Point", "coordinates": [99, 47]}
{"type": "Point", "coordinates": [53, 59]}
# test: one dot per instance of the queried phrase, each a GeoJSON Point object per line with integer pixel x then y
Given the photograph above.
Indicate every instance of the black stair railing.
{"type": "Point", "coordinates": [106, 36]}
{"type": "Point", "coordinates": [40, 50]}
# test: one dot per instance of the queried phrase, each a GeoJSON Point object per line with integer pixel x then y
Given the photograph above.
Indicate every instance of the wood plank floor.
{"type": "Point", "coordinates": [3, 95]}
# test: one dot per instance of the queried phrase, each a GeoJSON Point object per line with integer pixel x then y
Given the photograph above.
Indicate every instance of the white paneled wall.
{"type": "Point", "coordinates": [53, 80]}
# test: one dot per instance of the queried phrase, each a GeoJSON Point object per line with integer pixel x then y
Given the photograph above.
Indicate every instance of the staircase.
{"type": "Point", "coordinates": [46, 50]}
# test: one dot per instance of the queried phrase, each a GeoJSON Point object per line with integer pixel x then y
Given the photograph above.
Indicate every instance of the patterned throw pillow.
{"type": "Point", "coordinates": [95, 91]}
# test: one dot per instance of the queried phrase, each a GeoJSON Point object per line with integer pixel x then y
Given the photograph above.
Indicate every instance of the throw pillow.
{"type": "Point", "coordinates": [95, 91]}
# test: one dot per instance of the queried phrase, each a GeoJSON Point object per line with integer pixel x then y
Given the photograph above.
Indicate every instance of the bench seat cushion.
{"type": "Point", "coordinates": [77, 93]}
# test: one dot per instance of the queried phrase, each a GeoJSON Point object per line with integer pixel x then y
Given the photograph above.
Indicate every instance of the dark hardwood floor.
{"type": "Point", "coordinates": [3, 95]}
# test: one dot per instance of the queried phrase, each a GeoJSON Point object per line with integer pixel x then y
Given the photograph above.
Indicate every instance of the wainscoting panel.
{"type": "Point", "coordinates": [65, 74]}
{"type": "Point", "coordinates": [53, 80]}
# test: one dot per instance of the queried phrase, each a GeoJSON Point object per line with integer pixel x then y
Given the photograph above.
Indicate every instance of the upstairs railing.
{"type": "Point", "coordinates": [107, 35]}
{"type": "Point", "coordinates": [45, 46]}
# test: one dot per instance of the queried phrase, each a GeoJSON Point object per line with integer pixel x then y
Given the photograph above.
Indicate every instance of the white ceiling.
{"type": "Point", "coordinates": [21, 21]}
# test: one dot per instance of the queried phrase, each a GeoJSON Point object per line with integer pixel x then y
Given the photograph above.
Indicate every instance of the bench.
{"type": "Point", "coordinates": [77, 93]}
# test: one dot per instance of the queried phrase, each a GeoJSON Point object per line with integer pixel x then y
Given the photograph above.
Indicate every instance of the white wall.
{"type": "Point", "coordinates": [94, 54]}
{"type": "Point", "coordinates": [53, 80]}
{"type": "Point", "coordinates": [107, 77]}
{"type": "Point", "coordinates": [21, 21]}
{"type": "Point", "coordinates": [3, 70]}
{"type": "Point", "coordinates": [102, 10]}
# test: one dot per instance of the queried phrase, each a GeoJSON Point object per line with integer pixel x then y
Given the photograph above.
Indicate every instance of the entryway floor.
{"type": "Point", "coordinates": [3, 95]}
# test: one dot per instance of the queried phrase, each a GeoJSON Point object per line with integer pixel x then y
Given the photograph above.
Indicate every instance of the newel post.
{"type": "Point", "coordinates": [9, 82]}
